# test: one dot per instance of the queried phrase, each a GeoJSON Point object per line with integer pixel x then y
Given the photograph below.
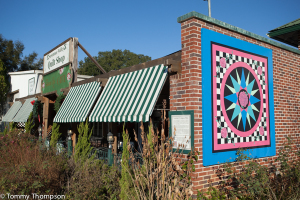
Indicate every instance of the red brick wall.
{"type": "Point", "coordinates": [186, 91]}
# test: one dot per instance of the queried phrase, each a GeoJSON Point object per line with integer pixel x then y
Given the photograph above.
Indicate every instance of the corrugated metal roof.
{"type": "Point", "coordinates": [25, 111]}
{"type": "Point", "coordinates": [131, 96]}
{"type": "Point", "coordinates": [78, 103]}
{"type": "Point", "coordinates": [11, 113]}
{"type": "Point", "coordinates": [295, 22]}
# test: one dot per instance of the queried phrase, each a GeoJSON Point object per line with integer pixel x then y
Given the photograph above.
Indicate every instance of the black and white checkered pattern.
{"type": "Point", "coordinates": [232, 137]}
{"type": "Point", "coordinates": [21, 125]}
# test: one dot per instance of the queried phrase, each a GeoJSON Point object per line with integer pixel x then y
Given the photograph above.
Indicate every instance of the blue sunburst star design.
{"type": "Point", "coordinates": [242, 99]}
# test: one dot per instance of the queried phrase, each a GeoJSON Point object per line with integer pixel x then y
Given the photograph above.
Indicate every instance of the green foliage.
{"type": "Point", "coordinates": [31, 62]}
{"type": "Point", "coordinates": [92, 179]}
{"type": "Point", "coordinates": [111, 60]}
{"type": "Point", "coordinates": [212, 194]}
{"type": "Point", "coordinates": [55, 135]}
{"type": "Point", "coordinates": [125, 181]}
{"type": "Point", "coordinates": [11, 54]}
{"type": "Point", "coordinates": [83, 147]}
{"type": "Point", "coordinates": [58, 102]}
{"type": "Point", "coordinates": [257, 181]}
{"type": "Point", "coordinates": [37, 109]}
{"type": "Point", "coordinates": [12, 126]}
{"type": "Point", "coordinates": [25, 169]}
{"type": "Point", "coordinates": [4, 86]}
{"type": "Point", "coordinates": [5, 131]}
{"type": "Point", "coordinates": [29, 124]}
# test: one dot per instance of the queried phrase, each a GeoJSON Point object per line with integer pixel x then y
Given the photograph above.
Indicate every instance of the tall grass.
{"type": "Point", "coordinates": [164, 173]}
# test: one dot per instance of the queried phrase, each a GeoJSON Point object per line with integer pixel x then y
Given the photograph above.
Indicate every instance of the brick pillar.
{"type": "Point", "coordinates": [186, 88]}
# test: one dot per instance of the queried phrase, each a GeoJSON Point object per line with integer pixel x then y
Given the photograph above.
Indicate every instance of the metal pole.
{"type": "Point", "coordinates": [209, 12]}
{"type": "Point", "coordinates": [110, 157]}
{"type": "Point", "coordinates": [70, 148]}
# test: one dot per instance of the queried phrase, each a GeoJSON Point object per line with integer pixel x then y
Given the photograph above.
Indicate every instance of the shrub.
{"type": "Point", "coordinates": [279, 180]}
{"type": "Point", "coordinates": [25, 169]}
{"type": "Point", "coordinates": [125, 181]}
{"type": "Point", "coordinates": [55, 135]}
{"type": "Point", "coordinates": [92, 179]}
{"type": "Point", "coordinates": [29, 124]}
{"type": "Point", "coordinates": [83, 147]}
{"type": "Point", "coordinates": [165, 174]}
{"type": "Point", "coordinates": [12, 126]}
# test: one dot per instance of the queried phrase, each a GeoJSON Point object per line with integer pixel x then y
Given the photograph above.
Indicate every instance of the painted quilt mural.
{"type": "Point", "coordinates": [238, 114]}
{"type": "Point", "coordinates": [240, 96]}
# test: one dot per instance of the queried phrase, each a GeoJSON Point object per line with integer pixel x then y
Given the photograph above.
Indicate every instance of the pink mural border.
{"type": "Point", "coordinates": [251, 144]}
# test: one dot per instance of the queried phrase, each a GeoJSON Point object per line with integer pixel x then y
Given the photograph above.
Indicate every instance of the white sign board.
{"type": "Point", "coordinates": [182, 137]}
{"type": "Point", "coordinates": [31, 87]}
{"type": "Point", "coordinates": [56, 58]}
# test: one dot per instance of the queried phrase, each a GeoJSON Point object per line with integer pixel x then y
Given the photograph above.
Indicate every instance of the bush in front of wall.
{"type": "Point", "coordinates": [274, 180]}
{"type": "Point", "coordinates": [29, 124]}
{"type": "Point", "coordinates": [55, 135]}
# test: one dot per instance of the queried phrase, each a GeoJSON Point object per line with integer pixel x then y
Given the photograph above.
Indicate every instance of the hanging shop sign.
{"type": "Point", "coordinates": [57, 80]}
{"type": "Point", "coordinates": [57, 57]}
{"type": "Point", "coordinates": [31, 86]}
{"type": "Point", "coordinates": [182, 130]}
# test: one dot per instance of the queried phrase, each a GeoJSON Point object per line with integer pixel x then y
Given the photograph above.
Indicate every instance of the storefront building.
{"type": "Point", "coordinates": [226, 89]}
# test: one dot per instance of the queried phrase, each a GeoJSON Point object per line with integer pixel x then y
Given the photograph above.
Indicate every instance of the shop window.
{"type": "Point", "coordinates": [97, 129]}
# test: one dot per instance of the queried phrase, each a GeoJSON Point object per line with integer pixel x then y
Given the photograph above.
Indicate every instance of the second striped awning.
{"type": "Point", "coordinates": [131, 96]}
{"type": "Point", "coordinates": [11, 113]}
{"type": "Point", "coordinates": [25, 111]}
{"type": "Point", "coordinates": [78, 103]}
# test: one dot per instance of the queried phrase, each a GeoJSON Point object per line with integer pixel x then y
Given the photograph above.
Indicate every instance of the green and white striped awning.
{"type": "Point", "coordinates": [11, 113]}
{"type": "Point", "coordinates": [131, 96]}
{"type": "Point", "coordinates": [78, 103]}
{"type": "Point", "coordinates": [25, 111]}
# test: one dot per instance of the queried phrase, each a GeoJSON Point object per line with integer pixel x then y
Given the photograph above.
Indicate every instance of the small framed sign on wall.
{"type": "Point", "coordinates": [31, 83]}
{"type": "Point", "coordinates": [182, 130]}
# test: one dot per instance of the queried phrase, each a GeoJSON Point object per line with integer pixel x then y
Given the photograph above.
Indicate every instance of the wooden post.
{"type": "Point", "coordinates": [115, 145]}
{"type": "Point", "coordinates": [92, 59]}
{"type": "Point", "coordinates": [115, 149]}
{"type": "Point", "coordinates": [74, 142]}
{"type": "Point", "coordinates": [75, 58]}
{"type": "Point", "coordinates": [45, 116]}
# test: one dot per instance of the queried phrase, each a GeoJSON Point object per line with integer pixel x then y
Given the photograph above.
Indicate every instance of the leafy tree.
{"type": "Point", "coordinates": [4, 86]}
{"type": "Point", "coordinates": [111, 60]}
{"type": "Point", "coordinates": [31, 62]}
{"type": "Point", "coordinates": [11, 54]}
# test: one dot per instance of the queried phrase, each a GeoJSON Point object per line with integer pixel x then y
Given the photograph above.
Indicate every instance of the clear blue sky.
{"type": "Point", "coordinates": [143, 27]}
